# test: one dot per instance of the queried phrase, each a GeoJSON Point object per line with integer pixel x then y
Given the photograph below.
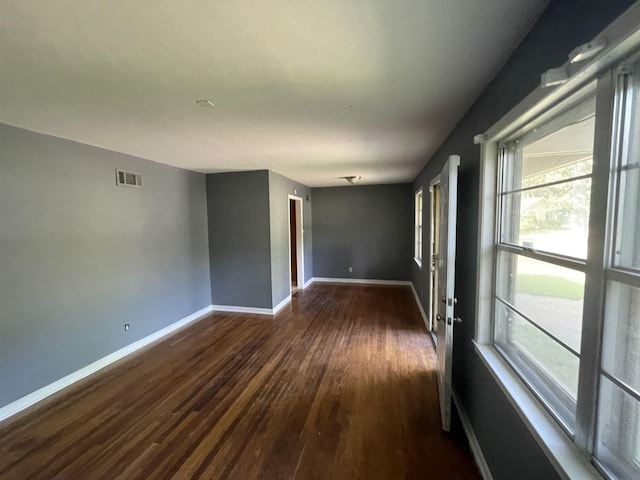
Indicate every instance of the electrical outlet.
{"type": "Point", "coordinates": [126, 327]}
{"type": "Point", "coordinates": [350, 269]}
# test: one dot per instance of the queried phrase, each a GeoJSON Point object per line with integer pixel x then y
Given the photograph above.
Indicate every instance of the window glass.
{"type": "Point", "coordinates": [619, 411]}
{"type": "Point", "coordinates": [628, 249]}
{"type": "Point", "coordinates": [627, 252]}
{"type": "Point", "coordinates": [618, 435]}
{"type": "Point", "coordinates": [621, 346]}
{"type": "Point", "coordinates": [544, 213]}
{"type": "Point", "coordinates": [418, 226]}
{"type": "Point", "coordinates": [618, 446]}
{"type": "Point", "coordinates": [547, 192]}
{"type": "Point", "coordinates": [552, 218]}
{"type": "Point", "coordinates": [549, 360]}
{"type": "Point", "coordinates": [550, 296]}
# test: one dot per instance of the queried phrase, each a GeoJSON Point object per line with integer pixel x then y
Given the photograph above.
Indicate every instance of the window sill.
{"type": "Point", "coordinates": [563, 454]}
{"type": "Point", "coordinates": [418, 262]}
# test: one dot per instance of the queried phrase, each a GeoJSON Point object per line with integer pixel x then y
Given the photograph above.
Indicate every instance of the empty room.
{"type": "Point", "coordinates": [305, 239]}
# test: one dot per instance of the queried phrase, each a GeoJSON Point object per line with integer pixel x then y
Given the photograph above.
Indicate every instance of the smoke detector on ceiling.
{"type": "Point", "coordinates": [352, 179]}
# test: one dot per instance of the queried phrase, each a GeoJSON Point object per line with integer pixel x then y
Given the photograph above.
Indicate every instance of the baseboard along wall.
{"type": "Point", "coordinates": [48, 390]}
{"type": "Point", "coordinates": [419, 303]}
{"type": "Point", "coordinates": [237, 309]}
{"type": "Point", "coordinates": [253, 310]}
{"type": "Point", "coordinates": [363, 281]}
{"type": "Point", "coordinates": [473, 440]}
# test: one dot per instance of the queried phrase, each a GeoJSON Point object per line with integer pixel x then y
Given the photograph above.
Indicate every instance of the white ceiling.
{"type": "Point", "coordinates": [311, 89]}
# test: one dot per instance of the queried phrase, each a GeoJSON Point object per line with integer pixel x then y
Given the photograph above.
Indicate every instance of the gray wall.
{"type": "Point", "coordinates": [80, 257]}
{"type": "Point", "coordinates": [239, 238]}
{"type": "Point", "coordinates": [279, 189]}
{"type": "Point", "coordinates": [509, 448]}
{"type": "Point", "coordinates": [367, 227]}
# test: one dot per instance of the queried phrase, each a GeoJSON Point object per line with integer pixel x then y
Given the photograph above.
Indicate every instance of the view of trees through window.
{"type": "Point", "coordinates": [560, 206]}
{"type": "Point", "coordinates": [545, 210]}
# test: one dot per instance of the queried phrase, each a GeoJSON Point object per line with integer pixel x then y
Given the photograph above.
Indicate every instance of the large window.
{"type": "Point", "coordinates": [418, 228]}
{"type": "Point", "coordinates": [544, 204]}
{"type": "Point", "coordinates": [559, 278]}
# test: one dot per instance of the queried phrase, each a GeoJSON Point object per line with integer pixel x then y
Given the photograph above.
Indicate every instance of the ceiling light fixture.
{"type": "Point", "coordinates": [205, 103]}
{"type": "Point", "coordinates": [352, 179]}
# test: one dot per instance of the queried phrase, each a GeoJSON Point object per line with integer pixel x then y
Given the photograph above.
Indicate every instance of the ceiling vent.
{"type": "Point", "coordinates": [128, 179]}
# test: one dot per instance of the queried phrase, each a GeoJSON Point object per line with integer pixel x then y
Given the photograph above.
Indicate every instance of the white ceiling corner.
{"type": "Point", "coordinates": [314, 90]}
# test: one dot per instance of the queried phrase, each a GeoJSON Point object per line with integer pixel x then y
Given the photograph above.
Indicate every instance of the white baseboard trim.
{"type": "Point", "coordinates": [252, 310]}
{"type": "Point", "coordinates": [422, 312]}
{"type": "Point", "coordinates": [236, 309]}
{"type": "Point", "coordinates": [473, 441]}
{"type": "Point", "coordinates": [364, 281]}
{"type": "Point", "coordinates": [307, 283]}
{"type": "Point", "coordinates": [42, 393]}
{"type": "Point", "coordinates": [281, 305]}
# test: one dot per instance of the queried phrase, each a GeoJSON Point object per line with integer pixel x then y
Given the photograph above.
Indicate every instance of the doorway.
{"type": "Point", "coordinates": [296, 244]}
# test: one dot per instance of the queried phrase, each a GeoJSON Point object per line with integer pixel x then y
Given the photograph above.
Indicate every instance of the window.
{"type": "Point", "coordinates": [418, 228]}
{"type": "Point", "coordinates": [618, 436]}
{"type": "Point", "coordinates": [543, 223]}
{"type": "Point", "coordinates": [559, 257]}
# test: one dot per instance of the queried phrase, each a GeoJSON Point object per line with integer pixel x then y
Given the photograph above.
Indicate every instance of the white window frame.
{"type": "Point", "coordinates": [567, 112]}
{"type": "Point", "coordinates": [570, 457]}
{"type": "Point", "coordinates": [418, 245]}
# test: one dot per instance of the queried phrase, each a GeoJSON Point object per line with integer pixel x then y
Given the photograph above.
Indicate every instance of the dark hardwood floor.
{"type": "Point", "coordinates": [339, 385]}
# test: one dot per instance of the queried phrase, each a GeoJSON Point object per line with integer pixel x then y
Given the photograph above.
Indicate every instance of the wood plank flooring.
{"type": "Point", "coordinates": [339, 385]}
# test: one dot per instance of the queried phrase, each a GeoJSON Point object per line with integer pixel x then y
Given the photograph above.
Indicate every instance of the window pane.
{"type": "Point", "coordinates": [618, 440]}
{"type": "Point", "coordinates": [553, 218]}
{"type": "Point", "coordinates": [549, 295]}
{"type": "Point", "coordinates": [565, 153]}
{"type": "Point", "coordinates": [618, 445]}
{"type": "Point", "coordinates": [627, 252]}
{"type": "Point", "coordinates": [628, 238]}
{"type": "Point", "coordinates": [621, 346]}
{"type": "Point", "coordinates": [557, 362]}
{"type": "Point", "coordinates": [628, 219]}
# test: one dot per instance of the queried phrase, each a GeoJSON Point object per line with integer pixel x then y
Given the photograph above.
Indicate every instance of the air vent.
{"type": "Point", "coordinates": [128, 179]}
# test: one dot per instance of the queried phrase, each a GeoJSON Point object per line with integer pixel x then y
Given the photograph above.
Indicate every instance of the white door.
{"type": "Point", "coordinates": [445, 301]}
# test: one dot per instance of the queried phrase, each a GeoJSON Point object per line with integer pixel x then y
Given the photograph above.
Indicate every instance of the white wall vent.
{"type": "Point", "coordinates": [128, 179]}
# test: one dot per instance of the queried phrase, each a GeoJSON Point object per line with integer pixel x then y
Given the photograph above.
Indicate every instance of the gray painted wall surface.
{"type": "Point", "coordinates": [239, 244]}
{"type": "Point", "coordinates": [367, 227]}
{"type": "Point", "coordinates": [509, 448]}
{"type": "Point", "coordinates": [279, 189]}
{"type": "Point", "coordinates": [80, 257]}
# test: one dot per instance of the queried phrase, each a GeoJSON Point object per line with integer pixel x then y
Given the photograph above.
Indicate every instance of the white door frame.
{"type": "Point", "coordinates": [299, 239]}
